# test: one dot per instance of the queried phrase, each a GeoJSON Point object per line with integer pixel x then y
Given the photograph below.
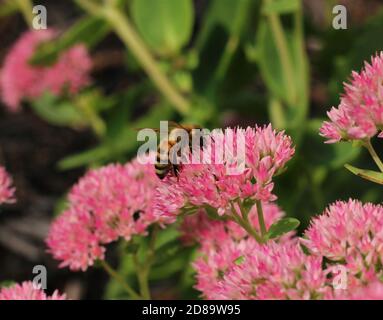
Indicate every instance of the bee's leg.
{"type": "Point", "coordinates": [175, 170]}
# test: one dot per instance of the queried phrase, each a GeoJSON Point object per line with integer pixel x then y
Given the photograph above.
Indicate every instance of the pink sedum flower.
{"type": "Point", "coordinates": [349, 234]}
{"type": "Point", "coordinates": [106, 204]}
{"type": "Point", "coordinates": [264, 272]}
{"type": "Point", "coordinates": [373, 291]}
{"type": "Point", "coordinates": [223, 244]}
{"type": "Point", "coordinates": [6, 189]}
{"type": "Point", "coordinates": [73, 240]}
{"type": "Point", "coordinates": [27, 291]}
{"type": "Point", "coordinates": [219, 183]}
{"type": "Point", "coordinates": [199, 228]}
{"type": "Point", "coordinates": [215, 262]}
{"type": "Point", "coordinates": [19, 80]}
{"type": "Point", "coordinates": [360, 112]}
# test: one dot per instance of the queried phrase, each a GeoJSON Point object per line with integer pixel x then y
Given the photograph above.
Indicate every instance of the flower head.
{"type": "Point", "coordinates": [27, 291]}
{"type": "Point", "coordinates": [360, 112]}
{"type": "Point", "coordinates": [106, 204]}
{"type": "Point", "coordinates": [223, 245]}
{"type": "Point", "coordinates": [208, 233]}
{"type": "Point", "coordinates": [372, 291]}
{"type": "Point", "coordinates": [6, 189]}
{"type": "Point", "coordinates": [73, 240]}
{"type": "Point", "coordinates": [270, 271]}
{"type": "Point", "coordinates": [350, 234]}
{"type": "Point", "coordinates": [242, 165]}
{"type": "Point", "coordinates": [19, 79]}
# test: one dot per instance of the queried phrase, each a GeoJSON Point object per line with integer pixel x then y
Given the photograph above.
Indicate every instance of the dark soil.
{"type": "Point", "coordinates": [30, 150]}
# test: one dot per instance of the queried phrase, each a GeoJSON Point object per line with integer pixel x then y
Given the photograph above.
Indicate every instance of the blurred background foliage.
{"type": "Point", "coordinates": [215, 63]}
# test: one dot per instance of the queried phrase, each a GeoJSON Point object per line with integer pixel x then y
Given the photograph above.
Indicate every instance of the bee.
{"type": "Point", "coordinates": [168, 162]}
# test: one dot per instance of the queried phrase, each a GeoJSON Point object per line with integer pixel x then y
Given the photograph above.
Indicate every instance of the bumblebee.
{"type": "Point", "coordinates": [168, 162]}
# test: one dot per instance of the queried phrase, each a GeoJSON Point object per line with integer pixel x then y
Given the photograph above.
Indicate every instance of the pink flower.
{"type": "Point", "coordinates": [214, 263]}
{"type": "Point", "coordinates": [6, 189]}
{"type": "Point", "coordinates": [199, 228]}
{"type": "Point", "coordinates": [360, 112]}
{"type": "Point", "coordinates": [19, 79]}
{"type": "Point", "coordinates": [27, 291]}
{"type": "Point", "coordinates": [223, 245]}
{"type": "Point", "coordinates": [270, 271]}
{"type": "Point", "coordinates": [106, 204]}
{"type": "Point", "coordinates": [349, 234]}
{"type": "Point", "coordinates": [72, 239]}
{"type": "Point", "coordinates": [373, 291]}
{"type": "Point", "coordinates": [221, 182]}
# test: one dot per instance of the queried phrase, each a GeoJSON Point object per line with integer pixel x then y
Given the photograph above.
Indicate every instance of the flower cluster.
{"type": "Point", "coordinates": [6, 189]}
{"type": "Point", "coordinates": [372, 291]}
{"type": "Point", "coordinates": [349, 233]}
{"type": "Point", "coordinates": [219, 183]}
{"type": "Point", "coordinates": [360, 112]}
{"type": "Point", "coordinates": [19, 79]}
{"type": "Point", "coordinates": [222, 244]}
{"type": "Point", "coordinates": [209, 233]}
{"type": "Point", "coordinates": [247, 270]}
{"type": "Point", "coordinates": [106, 204]}
{"type": "Point", "coordinates": [27, 291]}
{"type": "Point", "coordinates": [274, 271]}
{"type": "Point", "coordinates": [232, 265]}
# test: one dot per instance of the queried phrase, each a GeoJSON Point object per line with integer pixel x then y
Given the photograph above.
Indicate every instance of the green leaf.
{"type": "Point", "coordinates": [281, 227]}
{"type": "Point", "coordinates": [370, 175]}
{"type": "Point", "coordinates": [167, 251]}
{"type": "Point", "coordinates": [284, 70]}
{"type": "Point", "coordinates": [60, 113]}
{"type": "Point", "coordinates": [95, 155]}
{"type": "Point", "coordinates": [239, 260]}
{"type": "Point", "coordinates": [165, 25]}
{"type": "Point", "coordinates": [88, 31]}
{"type": "Point", "coordinates": [223, 20]}
{"type": "Point", "coordinates": [166, 235]}
{"type": "Point", "coordinates": [7, 283]}
{"type": "Point", "coordinates": [175, 264]}
{"type": "Point", "coordinates": [114, 289]}
{"type": "Point", "coordinates": [60, 206]}
{"type": "Point", "coordinates": [119, 144]}
{"type": "Point", "coordinates": [329, 156]}
{"type": "Point", "coordinates": [219, 14]}
{"type": "Point", "coordinates": [270, 65]}
{"type": "Point", "coordinates": [280, 7]}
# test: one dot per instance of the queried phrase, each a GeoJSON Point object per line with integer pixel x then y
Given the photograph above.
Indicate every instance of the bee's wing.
{"type": "Point", "coordinates": [171, 125]}
{"type": "Point", "coordinates": [187, 127]}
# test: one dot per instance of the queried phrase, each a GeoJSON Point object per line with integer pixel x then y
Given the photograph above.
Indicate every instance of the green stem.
{"type": "Point", "coordinates": [26, 7]}
{"type": "Point", "coordinates": [283, 51]}
{"type": "Point", "coordinates": [367, 144]}
{"type": "Point", "coordinates": [232, 42]}
{"type": "Point", "coordinates": [142, 276]}
{"type": "Point", "coordinates": [261, 218]}
{"type": "Point", "coordinates": [143, 270]}
{"type": "Point", "coordinates": [94, 119]}
{"type": "Point", "coordinates": [113, 273]}
{"type": "Point", "coordinates": [246, 225]}
{"type": "Point", "coordinates": [132, 40]}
